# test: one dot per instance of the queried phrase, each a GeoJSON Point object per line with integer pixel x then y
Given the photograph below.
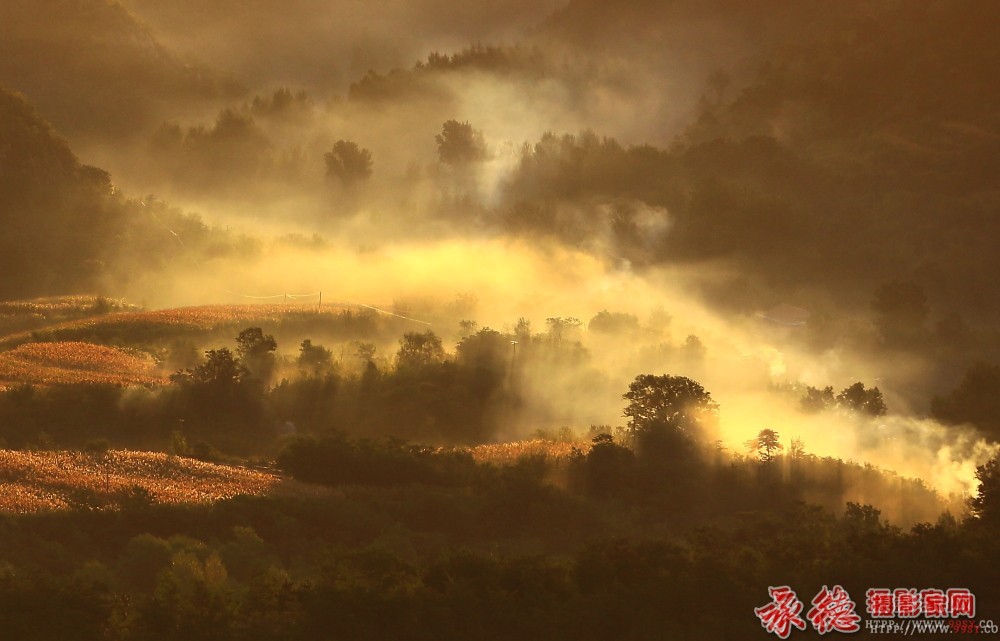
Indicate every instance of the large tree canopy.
{"type": "Point", "coordinates": [673, 401]}
{"type": "Point", "coordinates": [418, 349]}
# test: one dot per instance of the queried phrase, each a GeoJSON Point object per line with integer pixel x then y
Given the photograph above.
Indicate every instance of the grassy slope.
{"type": "Point", "coordinates": [36, 481]}
{"type": "Point", "coordinates": [69, 342]}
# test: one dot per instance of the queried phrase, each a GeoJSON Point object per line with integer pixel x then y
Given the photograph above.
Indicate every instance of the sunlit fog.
{"type": "Point", "coordinates": [670, 265]}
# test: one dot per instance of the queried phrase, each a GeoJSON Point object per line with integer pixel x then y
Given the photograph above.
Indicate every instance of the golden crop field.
{"type": "Point", "coordinates": [203, 317]}
{"type": "Point", "coordinates": [200, 318]}
{"type": "Point", "coordinates": [38, 481]}
{"type": "Point", "coordinates": [25, 316]}
{"type": "Point", "coordinates": [75, 362]}
{"type": "Point", "coordinates": [58, 305]}
{"type": "Point", "coordinates": [509, 453]}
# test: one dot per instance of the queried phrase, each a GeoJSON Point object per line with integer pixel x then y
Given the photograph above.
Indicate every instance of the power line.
{"type": "Point", "coordinates": [228, 291]}
{"type": "Point", "coordinates": [382, 311]}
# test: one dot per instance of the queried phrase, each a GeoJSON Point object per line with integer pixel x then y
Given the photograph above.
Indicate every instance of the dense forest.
{"type": "Point", "coordinates": [543, 319]}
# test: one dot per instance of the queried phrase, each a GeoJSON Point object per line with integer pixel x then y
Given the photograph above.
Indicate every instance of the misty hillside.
{"type": "Point", "coordinates": [897, 81]}
{"type": "Point", "coordinates": [322, 47]}
{"type": "Point", "coordinates": [814, 168]}
{"type": "Point", "coordinates": [497, 319]}
{"type": "Point", "coordinates": [57, 213]}
{"type": "Point", "coordinates": [65, 225]}
{"type": "Point", "coordinates": [809, 134]}
{"type": "Point", "coordinates": [94, 70]}
{"type": "Point", "coordinates": [864, 130]}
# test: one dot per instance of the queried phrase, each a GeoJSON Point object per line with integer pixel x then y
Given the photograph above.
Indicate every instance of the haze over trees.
{"type": "Point", "coordinates": [348, 163]}
{"type": "Point", "coordinates": [459, 144]}
{"type": "Point", "coordinates": [545, 319]}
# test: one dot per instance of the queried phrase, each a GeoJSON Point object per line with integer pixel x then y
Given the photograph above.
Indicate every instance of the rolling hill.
{"type": "Point", "coordinates": [41, 481]}
{"type": "Point", "coordinates": [93, 69]}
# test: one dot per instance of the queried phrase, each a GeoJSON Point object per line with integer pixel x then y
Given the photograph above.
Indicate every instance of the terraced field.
{"type": "Point", "coordinates": [76, 362]}
{"type": "Point", "coordinates": [70, 342]}
{"type": "Point", "coordinates": [39, 481]}
{"type": "Point", "coordinates": [23, 316]}
{"type": "Point", "coordinates": [510, 453]}
{"type": "Point", "coordinates": [145, 325]}
{"type": "Point", "coordinates": [60, 305]}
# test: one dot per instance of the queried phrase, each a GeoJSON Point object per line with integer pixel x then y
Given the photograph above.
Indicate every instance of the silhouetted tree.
{"type": "Point", "coordinates": [221, 370]}
{"type": "Point", "coordinates": [766, 445]}
{"type": "Point", "coordinates": [419, 349]}
{"type": "Point", "coordinates": [676, 402]}
{"type": "Point", "coordinates": [256, 350]}
{"type": "Point", "coordinates": [220, 394]}
{"type": "Point", "coordinates": [485, 359]}
{"type": "Point", "coordinates": [817, 400]}
{"type": "Point", "coordinates": [314, 358]}
{"type": "Point", "coordinates": [487, 348]}
{"type": "Point", "coordinates": [522, 331]}
{"type": "Point", "coordinates": [613, 322]}
{"type": "Point", "coordinates": [467, 328]}
{"type": "Point", "coordinates": [562, 328]}
{"type": "Point", "coordinates": [459, 144]}
{"type": "Point", "coordinates": [282, 103]}
{"type": "Point", "coordinates": [986, 503]}
{"type": "Point", "coordinates": [859, 399]}
{"type": "Point", "coordinates": [693, 350]}
{"type": "Point", "coordinates": [348, 163]}
{"type": "Point", "coordinates": [365, 351]}
{"type": "Point", "coordinates": [863, 524]}
{"type": "Point", "coordinates": [607, 469]}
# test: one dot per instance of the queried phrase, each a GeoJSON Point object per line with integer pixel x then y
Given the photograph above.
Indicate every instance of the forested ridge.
{"type": "Point", "coordinates": [513, 319]}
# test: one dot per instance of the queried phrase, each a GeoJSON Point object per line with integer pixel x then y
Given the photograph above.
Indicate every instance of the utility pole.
{"type": "Point", "coordinates": [513, 356]}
